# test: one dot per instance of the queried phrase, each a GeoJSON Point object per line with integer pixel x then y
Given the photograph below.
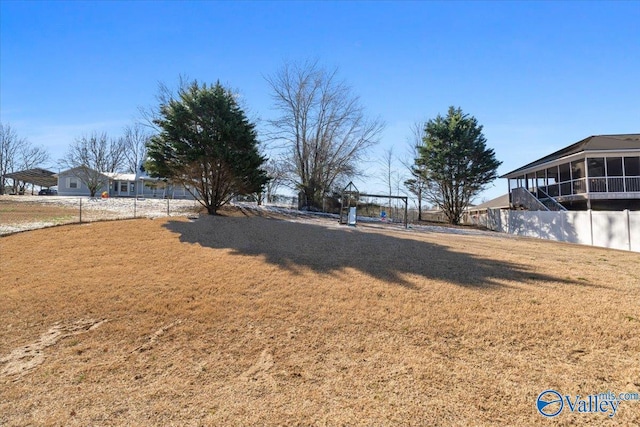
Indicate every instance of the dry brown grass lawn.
{"type": "Point", "coordinates": [17, 213]}
{"type": "Point", "coordinates": [249, 320]}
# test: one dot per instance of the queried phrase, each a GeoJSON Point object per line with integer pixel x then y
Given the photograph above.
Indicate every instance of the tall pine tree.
{"type": "Point", "coordinates": [207, 144]}
{"type": "Point", "coordinates": [455, 161]}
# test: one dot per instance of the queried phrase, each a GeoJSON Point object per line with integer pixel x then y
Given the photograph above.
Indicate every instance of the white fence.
{"type": "Point", "coordinates": [609, 229]}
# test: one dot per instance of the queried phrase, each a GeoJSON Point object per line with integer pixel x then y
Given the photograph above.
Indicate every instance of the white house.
{"type": "Point", "coordinates": [601, 172]}
{"type": "Point", "coordinates": [72, 182]}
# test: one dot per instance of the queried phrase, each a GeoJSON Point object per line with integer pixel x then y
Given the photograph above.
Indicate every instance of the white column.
{"type": "Point", "coordinates": [586, 181]}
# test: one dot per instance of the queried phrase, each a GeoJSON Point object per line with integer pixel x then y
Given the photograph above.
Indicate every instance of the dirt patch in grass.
{"type": "Point", "coordinates": [253, 320]}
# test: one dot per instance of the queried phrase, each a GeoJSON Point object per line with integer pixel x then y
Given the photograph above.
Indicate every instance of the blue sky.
{"type": "Point", "coordinates": [537, 75]}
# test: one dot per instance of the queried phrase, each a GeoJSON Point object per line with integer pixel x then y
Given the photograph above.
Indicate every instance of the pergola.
{"type": "Point", "coordinates": [37, 176]}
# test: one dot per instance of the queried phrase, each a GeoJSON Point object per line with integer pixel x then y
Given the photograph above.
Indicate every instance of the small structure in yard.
{"type": "Point", "coordinates": [43, 178]}
{"type": "Point", "coordinates": [348, 204]}
{"type": "Point", "coordinates": [351, 197]}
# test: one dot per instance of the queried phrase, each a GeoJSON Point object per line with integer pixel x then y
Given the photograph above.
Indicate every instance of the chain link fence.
{"type": "Point", "coordinates": [20, 213]}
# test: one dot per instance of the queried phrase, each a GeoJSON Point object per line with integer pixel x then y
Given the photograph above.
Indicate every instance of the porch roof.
{"type": "Point", "coordinates": [592, 143]}
{"type": "Point", "coordinates": [117, 176]}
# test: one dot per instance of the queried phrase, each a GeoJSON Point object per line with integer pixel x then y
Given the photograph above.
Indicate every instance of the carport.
{"type": "Point", "coordinates": [37, 176]}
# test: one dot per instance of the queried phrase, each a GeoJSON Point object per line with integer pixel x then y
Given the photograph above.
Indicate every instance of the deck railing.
{"type": "Point", "coordinates": [549, 201]}
{"type": "Point", "coordinates": [617, 184]}
{"type": "Point", "coordinates": [522, 197]}
{"type": "Point", "coordinates": [598, 185]}
{"type": "Point", "coordinates": [632, 184]}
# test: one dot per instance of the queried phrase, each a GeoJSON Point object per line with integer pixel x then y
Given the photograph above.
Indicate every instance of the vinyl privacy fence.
{"type": "Point", "coordinates": [608, 229]}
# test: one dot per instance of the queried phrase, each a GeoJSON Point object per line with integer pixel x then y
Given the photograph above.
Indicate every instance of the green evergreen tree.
{"type": "Point", "coordinates": [207, 144]}
{"type": "Point", "coordinates": [455, 161]}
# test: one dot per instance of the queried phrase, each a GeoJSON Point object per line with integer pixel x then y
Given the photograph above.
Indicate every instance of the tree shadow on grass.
{"type": "Point", "coordinates": [326, 249]}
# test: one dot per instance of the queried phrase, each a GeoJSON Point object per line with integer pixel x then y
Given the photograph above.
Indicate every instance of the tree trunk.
{"type": "Point", "coordinates": [309, 200]}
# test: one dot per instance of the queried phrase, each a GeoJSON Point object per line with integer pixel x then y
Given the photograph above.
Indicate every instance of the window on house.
{"type": "Point", "coordinates": [565, 179]}
{"type": "Point", "coordinates": [565, 172]}
{"type": "Point", "coordinates": [632, 166]}
{"type": "Point", "coordinates": [123, 187]}
{"type": "Point", "coordinates": [614, 166]}
{"type": "Point", "coordinates": [596, 166]}
{"type": "Point", "coordinates": [552, 175]}
{"type": "Point", "coordinates": [529, 181]}
{"type": "Point", "coordinates": [578, 185]}
{"type": "Point", "coordinates": [577, 169]}
{"type": "Point", "coordinates": [73, 183]}
{"type": "Point", "coordinates": [552, 180]}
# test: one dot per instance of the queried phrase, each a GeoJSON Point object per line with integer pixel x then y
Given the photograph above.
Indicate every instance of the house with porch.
{"type": "Point", "coordinates": [601, 172]}
{"type": "Point", "coordinates": [73, 182]}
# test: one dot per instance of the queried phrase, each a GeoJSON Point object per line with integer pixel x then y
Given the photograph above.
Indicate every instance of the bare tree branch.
{"type": "Point", "coordinates": [32, 156]}
{"type": "Point", "coordinates": [10, 142]}
{"type": "Point", "coordinates": [322, 127]}
{"type": "Point", "coordinates": [17, 153]}
{"type": "Point", "coordinates": [91, 156]}
{"type": "Point", "coordinates": [135, 146]}
{"type": "Point", "coordinates": [417, 183]}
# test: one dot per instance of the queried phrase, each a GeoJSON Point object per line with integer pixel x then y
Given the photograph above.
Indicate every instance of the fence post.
{"type": "Point", "coordinates": [135, 200]}
{"type": "Point", "coordinates": [628, 228]}
{"type": "Point", "coordinates": [80, 210]}
{"type": "Point", "coordinates": [168, 207]}
{"type": "Point", "coordinates": [591, 226]}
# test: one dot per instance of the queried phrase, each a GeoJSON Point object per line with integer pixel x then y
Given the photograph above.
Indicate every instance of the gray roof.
{"type": "Point", "coordinates": [37, 176]}
{"type": "Point", "coordinates": [497, 203]}
{"type": "Point", "coordinates": [592, 143]}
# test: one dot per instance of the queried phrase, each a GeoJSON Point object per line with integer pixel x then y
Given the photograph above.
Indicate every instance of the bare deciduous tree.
{"type": "Point", "coordinates": [392, 179]}
{"type": "Point", "coordinates": [417, 184]}
{"type": "Point", "coordinates": [17, 153]}
{"type": "Point", "coordinates": [91, 155]}
{"type": "Point", "coordinates": [134, 143]}
{"type": "Point", "coordinates": [391, 175]}
{"type": "Point", "coordinates": [10, 142]}
{"type": "Point", "coordinates": [32, 156]}
{"type": "Point", "coordinates": [322, 127]}
{"type": "Point", "coordinates": [276, 171]}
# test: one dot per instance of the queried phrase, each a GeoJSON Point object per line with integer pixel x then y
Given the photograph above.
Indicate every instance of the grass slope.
{"type": "Point", "coordinates": [249, 320]}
